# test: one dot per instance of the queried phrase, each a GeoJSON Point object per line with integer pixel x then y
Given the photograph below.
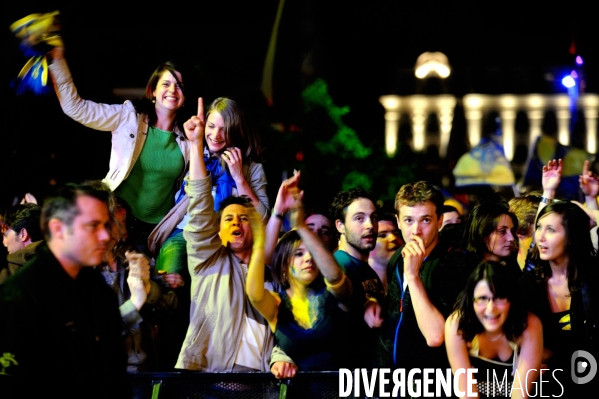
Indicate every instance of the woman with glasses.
{"type": "Point", "coordinates": [491, 331]}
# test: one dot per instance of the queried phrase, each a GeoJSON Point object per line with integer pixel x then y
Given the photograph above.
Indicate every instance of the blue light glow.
{"type": "Point", "coordinates": [569, 82]}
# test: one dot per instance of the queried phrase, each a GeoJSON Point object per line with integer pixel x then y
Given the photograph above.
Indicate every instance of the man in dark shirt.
{"type": "Point", "coordinates": [356, 220]}
{"type": "Point", "coordinates": [60, 326]}
{"type": "Point", "coordinates": [424, 279]}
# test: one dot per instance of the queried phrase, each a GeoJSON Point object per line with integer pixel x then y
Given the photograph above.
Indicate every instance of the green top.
{"type": "Point", "coordinates": [150, 187]}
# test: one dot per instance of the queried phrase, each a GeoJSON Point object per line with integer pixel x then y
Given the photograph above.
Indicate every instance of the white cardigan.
{"type": "Point", "coordinates": [129, 129]}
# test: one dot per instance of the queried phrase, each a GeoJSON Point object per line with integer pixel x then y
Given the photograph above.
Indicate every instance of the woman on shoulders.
{"type": "Point", "coordinates": [149, 152]}
{"type": "Point", "coordinates": [489, 330]}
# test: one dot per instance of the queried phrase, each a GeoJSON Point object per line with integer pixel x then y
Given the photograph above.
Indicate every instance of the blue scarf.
{"type": "Point", "coordinates": [221, 180]}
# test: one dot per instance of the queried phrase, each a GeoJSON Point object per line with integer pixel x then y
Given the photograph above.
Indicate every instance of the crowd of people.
{"type": "Point", "coordinates": [177, 261]}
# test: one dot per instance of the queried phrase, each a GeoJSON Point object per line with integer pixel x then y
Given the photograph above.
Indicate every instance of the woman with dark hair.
{"type": "Point", "coordinates": [490, 235]}
{"type": "Point", "coordinates": [308, 313]}
{"type": "Point", "coordinates": [149, 150]}
{"type": "Point", "coordinates": [560, 288]}
{"type": "Point", "coordinates": [490, 330]}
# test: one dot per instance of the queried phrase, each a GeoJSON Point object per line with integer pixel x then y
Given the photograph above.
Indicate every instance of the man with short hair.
{"type": "Point", "coordinates": [356, 219]}
{"type": "Point", "coordinates": [60, 327]}
{"type": "Point", "coordinates": [424, 279]}
{"type": "Point", "coordinates": [21, 235]}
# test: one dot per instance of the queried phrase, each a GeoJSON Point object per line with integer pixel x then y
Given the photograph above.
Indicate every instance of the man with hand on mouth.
{"type": "Point", "coordinates": [356, 220]}
{"type": "Point", "coordinates": [424, 279]}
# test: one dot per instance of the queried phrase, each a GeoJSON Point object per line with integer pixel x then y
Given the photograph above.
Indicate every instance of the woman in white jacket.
{"type": "Point", "coordinates": [149, 152]}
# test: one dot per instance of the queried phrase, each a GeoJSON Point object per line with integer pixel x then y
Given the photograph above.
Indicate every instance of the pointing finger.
{"type": "Point", "coordinates": [201, 109]}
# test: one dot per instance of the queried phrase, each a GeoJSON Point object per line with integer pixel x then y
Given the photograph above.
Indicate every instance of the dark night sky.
{"type": "Point", "coordinates": [363, 49]}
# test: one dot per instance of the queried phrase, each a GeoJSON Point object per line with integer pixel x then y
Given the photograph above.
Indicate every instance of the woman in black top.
{"type": "Point", "coordinates": [560, 289]}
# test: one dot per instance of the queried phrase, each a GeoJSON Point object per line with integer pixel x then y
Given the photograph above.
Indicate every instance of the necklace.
{"type": "Point", "coordinates": [496, 338]}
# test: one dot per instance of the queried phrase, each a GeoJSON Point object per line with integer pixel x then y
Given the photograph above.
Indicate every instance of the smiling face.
{"type": "Point", "coordinates": [235, 229]}
{"type": "Point", "coordinates": [215, 133]}
{"type": "Point", "coordinates": [169, 92]}
{"type": "Point", "coordinates": [550, 238]}
{"type": "Point", "coordinates": [500, 243]}
{"type": "Point", "coordinates": [302, 268]}
{"type": "Point", "coordinates": [360, 227]}
{"type": "Point", "coordinates": [491, 312]}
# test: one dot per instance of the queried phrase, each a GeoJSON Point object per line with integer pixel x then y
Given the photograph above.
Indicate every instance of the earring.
{"type": "Point", "coordinates": [284, 278]}
{"type": "Point", "coordinates": [154, 100]}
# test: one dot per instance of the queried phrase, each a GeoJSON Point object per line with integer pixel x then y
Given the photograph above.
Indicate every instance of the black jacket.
{"type": "Point", "coordinates": [60, 335]}
{"type": "Point", "coordinates": [444, 274]}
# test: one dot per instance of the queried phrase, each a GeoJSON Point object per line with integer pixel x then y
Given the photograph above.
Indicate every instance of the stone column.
{"type": "Point", "coordinates": [508, 131]}
{"type": "Point", "coordinates": [418, 126]}
{"type": "Point", "coordinates": [535, 118]}
{"type": "Point", "coordinates": [445, 113]}
{"type": "Point", "coordinates": [391, 103]}
{"type": "Point", "coordinates": [590, 108]}
{"type": "Point", "coordinates": [563, 125]}
{"type": "Point", "coordinates": [391, 132]}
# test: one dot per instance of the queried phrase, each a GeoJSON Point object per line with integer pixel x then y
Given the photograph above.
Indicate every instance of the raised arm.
{"type": "Point", "coordinates": [105, 117]}
{"type": "Point", "coordinates": [201, 232]}
{"type": "Point", "coordinates": [589, 185]}
{"type": "Point", "coordinates": [194, 130]}
{"type": "Point", "coordinates": [334, 278]}
{"type": "Point", "coordinates": [284, 202]}
{"type": "Point", "coordinates": [552, 175]}
{"type": "Point", "coordinates": [261, 299]}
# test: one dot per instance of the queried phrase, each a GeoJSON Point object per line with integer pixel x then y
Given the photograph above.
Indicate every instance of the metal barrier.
{"type": "Point", "coordinates": [184, 385]}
